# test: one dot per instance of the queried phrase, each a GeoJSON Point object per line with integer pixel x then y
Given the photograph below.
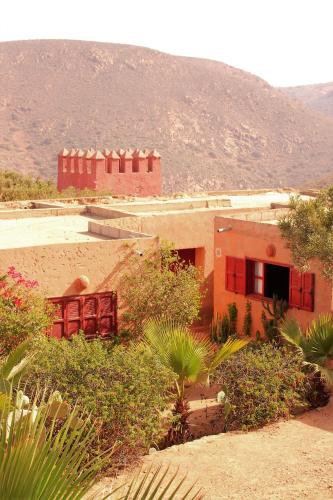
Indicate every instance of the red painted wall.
{"type": "Point", "coordinates": [250, 240]}
{"type": "Point", "coordinates": [128, 174]}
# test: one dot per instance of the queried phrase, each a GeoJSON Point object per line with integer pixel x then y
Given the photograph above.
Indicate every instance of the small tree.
{"type": "Point", "coordinates": [308, 230]}
{"type": "Point", "coordinates": [160, 285]}
{"type": "Point", "coordinates": [23, 311]}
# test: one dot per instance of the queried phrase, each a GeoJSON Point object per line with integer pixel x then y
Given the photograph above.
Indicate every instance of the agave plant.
{"type": "Point", "coordinates": [191, 358]}
{"type": "Point", "coordinates": [11, 369]}
{"type": "Point", "coordinates": [315, 344]}
{"type": "Point", "coordinates": [42, 454]}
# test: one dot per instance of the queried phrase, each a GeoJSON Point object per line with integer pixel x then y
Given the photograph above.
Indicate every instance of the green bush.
{"type": "Point", "coordinates": [160, 285]}
{"type": "Point", "coordinates": [126, 389]}
{"type": "Point", "coordinates": [263, 383]}
{"type": "Point", "coordinates": [16, 186]}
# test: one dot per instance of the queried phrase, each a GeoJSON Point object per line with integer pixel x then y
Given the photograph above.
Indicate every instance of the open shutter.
{"type": "Point", "coordinates": [308, 291]}
{"type": "Point", "coordinates": [235, 275]}
{"type": "Point", "coordinates": [240, 276]}
{"type": "Point", "coordinates": [230, 274]}
{"type": "Point", "coordinates": [295, 289]}
{"type": "Point", "coordinates": [301, 292]}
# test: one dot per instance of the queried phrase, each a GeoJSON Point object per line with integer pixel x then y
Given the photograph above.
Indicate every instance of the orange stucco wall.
{"type": "Point", "coordinates": [250, 240]}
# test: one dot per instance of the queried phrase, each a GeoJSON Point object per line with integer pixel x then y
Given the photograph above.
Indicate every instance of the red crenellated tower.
{"type": "Point", "coordinates": [120, 171]}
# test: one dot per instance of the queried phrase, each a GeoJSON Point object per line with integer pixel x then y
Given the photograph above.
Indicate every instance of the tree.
{"type": "Point", "coordinates": [308, 230]}
{"type": "Point", "coordinates": [191, 358]}
{"type": "Point", "coordinates": [160, 285]}
{"type": "Point", "coordinates": [316, 344]}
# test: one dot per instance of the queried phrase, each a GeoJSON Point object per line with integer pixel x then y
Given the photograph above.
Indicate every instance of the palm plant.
{"type": "Point", "coordinates": [315, 344]}
{"type": "Point", "coordinates": [191, 358]}
{"type": "Point", "coordinates": [156, 483]}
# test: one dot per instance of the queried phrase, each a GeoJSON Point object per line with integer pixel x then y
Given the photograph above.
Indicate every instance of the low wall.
{"type": "Point", "coordinates": [40, 212]}
{"type": "Point", "coordinates": [114, 232]}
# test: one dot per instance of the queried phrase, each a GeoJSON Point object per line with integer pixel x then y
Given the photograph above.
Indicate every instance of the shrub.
{"type": "Point", "coordinates": [23, 311]}
{"type": "Point", "coordinates": [263, 384]}
{"type": "Point", "coordinates": [16, 186]}
{"type": "Point", "coordinates": [126, 389]}
{"type": "Point", "coordinates": [160, 285]}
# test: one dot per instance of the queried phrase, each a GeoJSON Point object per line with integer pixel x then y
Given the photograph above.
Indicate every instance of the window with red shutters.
{"type": "Point", "coordinates": [266, 280]}
{"type": "Point", "coordinates": [235, 277]}
{"type": "Point", "coordinates": [302, 290]}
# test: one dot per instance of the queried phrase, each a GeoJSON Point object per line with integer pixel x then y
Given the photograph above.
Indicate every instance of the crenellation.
{"type": "Point", "coordinates": [120, 171]}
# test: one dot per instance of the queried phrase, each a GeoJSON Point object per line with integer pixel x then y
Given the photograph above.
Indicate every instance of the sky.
{"type": "Point", "coordinates": [286, 42]}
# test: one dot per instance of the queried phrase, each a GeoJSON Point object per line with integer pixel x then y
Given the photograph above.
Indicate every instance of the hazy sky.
{"type": "Point", "coordinates": [286, 42]}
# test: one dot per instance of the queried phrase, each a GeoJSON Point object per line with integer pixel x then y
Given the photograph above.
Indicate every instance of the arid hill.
{"type": "Point", "coordinates": [318, 97]}
{"type": "Point", "coordinates": [215, 126]}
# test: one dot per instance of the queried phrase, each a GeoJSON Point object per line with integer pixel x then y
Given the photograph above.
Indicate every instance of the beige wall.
{"type": "Point", "coordinates": [58, 267]}
{"type": "Point", "coordinates": [189, 230]}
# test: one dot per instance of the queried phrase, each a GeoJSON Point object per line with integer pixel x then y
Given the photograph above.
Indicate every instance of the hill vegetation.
{"type": "Point", "coordinates": [215, 126]}
{"type": "Point", "coordinates": [16, 186]}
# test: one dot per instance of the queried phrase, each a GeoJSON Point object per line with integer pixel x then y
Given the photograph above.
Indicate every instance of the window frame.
{"type": "Point", "coordinates": [250, 287]}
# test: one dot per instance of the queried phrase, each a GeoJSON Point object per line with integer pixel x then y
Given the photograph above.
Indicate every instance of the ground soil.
{"type": "Point", "coordinates": [284, 461]}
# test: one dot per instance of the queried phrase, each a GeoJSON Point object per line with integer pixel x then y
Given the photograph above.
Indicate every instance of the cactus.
{"type": "Point", "coordinates": [222, 327]}
{"type": "Point", "coordinates": [233, 314]}
{"type": "Point", "coordinates": [247, 326]}
{"type": "Point", "coordinates": [277, 310]}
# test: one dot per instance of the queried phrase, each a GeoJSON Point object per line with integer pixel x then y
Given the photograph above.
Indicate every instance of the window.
{"type": "Point", "coordinates": [258, 278]}
{"type": "Point", "coordinates": [266, 280]}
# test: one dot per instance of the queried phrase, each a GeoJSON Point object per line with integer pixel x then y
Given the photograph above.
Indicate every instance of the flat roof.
{"type": "Point", "coordinates": [29, 232]}
{"type": "Point", "coordinates": [29, 228]}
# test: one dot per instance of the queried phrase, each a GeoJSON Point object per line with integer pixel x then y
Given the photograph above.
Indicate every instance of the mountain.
{"type": "Point", "coordinates": [318, 97]}
{"type": "Point", "coordinates": [215, 126]}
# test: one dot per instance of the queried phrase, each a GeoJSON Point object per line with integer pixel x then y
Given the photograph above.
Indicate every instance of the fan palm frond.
{"type": "Point", "coordinates": [315, 344]}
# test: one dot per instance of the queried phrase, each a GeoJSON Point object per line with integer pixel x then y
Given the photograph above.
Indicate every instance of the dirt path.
{"type": "Point", "coordinates": [285, 461]}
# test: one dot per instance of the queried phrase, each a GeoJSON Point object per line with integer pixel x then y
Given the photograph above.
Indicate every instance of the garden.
{"type": "Point", "coordinates": [74, 410]}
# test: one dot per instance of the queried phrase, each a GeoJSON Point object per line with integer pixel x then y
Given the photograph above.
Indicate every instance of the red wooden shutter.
{"type": "Point", "coordinates": [308, 291]}
{"type": "Point", "coordinates": [240, 278]}
{"type": "Point", "coordinates": [295, 289]}
{"type": "Point", "coordinates": [230, 274]}
{"type": "Point", "coordinates": [301, 290]}
{"type": "Point", "coordinates": [235, 275]}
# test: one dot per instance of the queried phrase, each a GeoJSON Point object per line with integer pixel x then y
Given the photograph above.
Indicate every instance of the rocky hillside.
{"type": "Point", "coordinates": [215, 126]}
{"type": "Point", "coordinates": [318, 97]}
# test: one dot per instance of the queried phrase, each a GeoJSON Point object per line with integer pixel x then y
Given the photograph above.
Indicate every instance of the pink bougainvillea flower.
{"type": "Point", "coordinates": [18, 302]}
{"type": "Point", "coordinates": [3, 284]}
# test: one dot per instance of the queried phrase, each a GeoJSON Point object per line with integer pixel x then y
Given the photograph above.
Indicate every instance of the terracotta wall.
{"type": "Point", "coordinates": [96, 177]}
{"type": "Point", "coordinates": [250, 240]}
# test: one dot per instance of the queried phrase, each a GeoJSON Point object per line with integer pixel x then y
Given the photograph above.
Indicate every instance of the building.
{"type": "Point", "coordinates": [252, 264]}
{"type": "Point", "coordinates": [119, 172]}
{"type": "Point", "coordinates": [78, 250]}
